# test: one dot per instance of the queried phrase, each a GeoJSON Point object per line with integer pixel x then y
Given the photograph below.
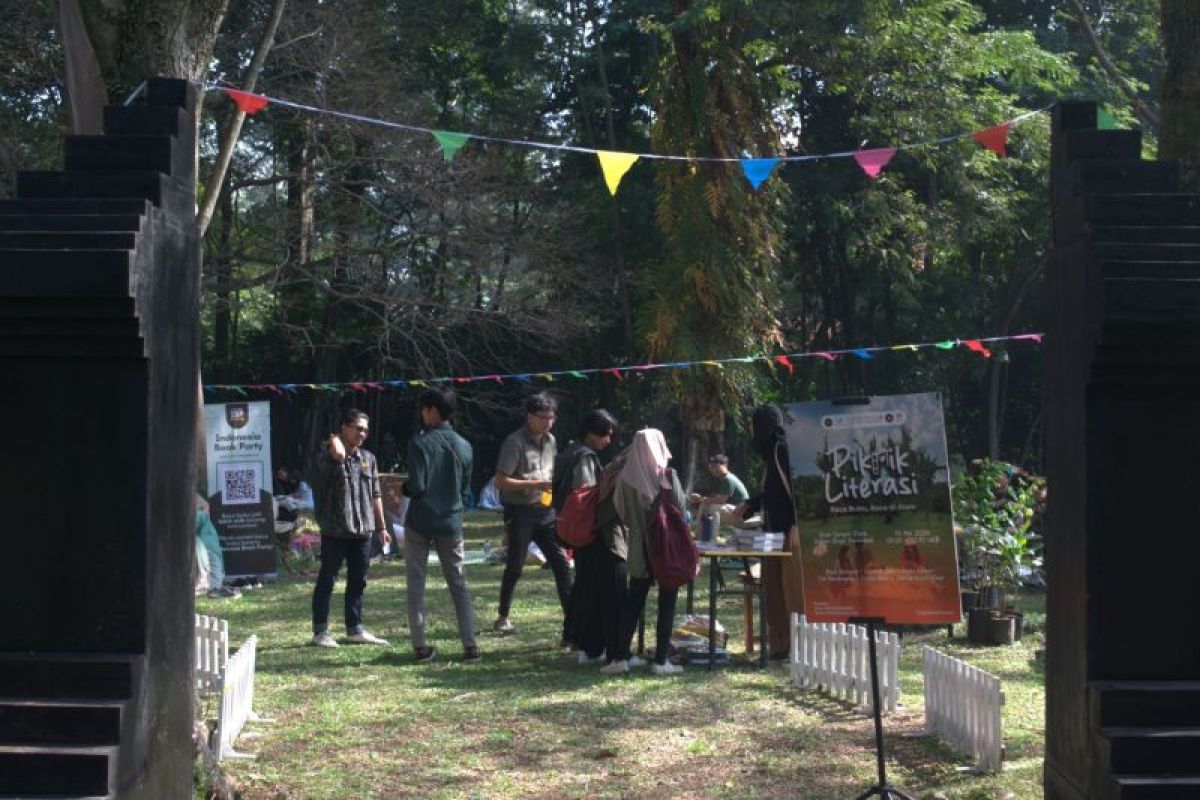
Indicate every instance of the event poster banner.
{"type": "Point", "coordinates": [238, 438]}
{"type": "Point", "coordinates": [871, 483]}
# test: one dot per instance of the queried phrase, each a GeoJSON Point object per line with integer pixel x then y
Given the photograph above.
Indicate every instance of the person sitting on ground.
{"type": "Point", "coordinates": [349, 510]}
{"type": "Point", "coordinates": [294, 494]}
{"type": "Point", "coordinates": [644, 474]}
{"type": "Point", "coordinates": [723, 492]}
{"type": "Point", "coordinates": [209, 556]}
{"type": "Point", "coordinates": [439, 472]}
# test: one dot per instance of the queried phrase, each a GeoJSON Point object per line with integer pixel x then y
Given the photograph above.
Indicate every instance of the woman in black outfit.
{"type": "Point", "coordinates": [784, 589]}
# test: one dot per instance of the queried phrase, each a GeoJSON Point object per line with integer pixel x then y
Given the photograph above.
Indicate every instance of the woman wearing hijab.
{"type": "Point", "coordinates": [784, 588]}
{"type": "Point", "coordinates": [643, 476]}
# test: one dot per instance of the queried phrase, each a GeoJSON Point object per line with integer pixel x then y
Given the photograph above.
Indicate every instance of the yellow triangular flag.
{"type": "Point", "coordinates": [615, 165]}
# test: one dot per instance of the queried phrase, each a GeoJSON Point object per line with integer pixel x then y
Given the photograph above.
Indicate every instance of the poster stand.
{"type": "Point", "coordinates": [881, 789]}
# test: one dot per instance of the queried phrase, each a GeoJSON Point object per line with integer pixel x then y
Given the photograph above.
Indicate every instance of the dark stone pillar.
{"type": "Point", "coordinates": [1123, 644]}
{"type": "Point", "coordinates": [99, 281]}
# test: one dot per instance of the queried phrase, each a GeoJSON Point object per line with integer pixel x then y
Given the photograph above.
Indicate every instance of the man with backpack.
{"type": "Point", "coordinates": [439, 475]}
{"type": "Point", "coordinates": [575, 467]}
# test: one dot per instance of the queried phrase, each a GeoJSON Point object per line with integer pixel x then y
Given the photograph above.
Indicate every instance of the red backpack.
{"type": "Point", "coordinates": [576, 522]}
{"type": "Point", "coordinates": [670, 549]}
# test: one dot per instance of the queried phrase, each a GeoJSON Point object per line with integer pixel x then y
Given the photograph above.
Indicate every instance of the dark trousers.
{"type": "Point", "coordinates": [638, 589]}
{"type": "Point", "coordinates": [584, 626]}
{"type": "Point", "coordinates": [333, 552]}
{"type": "Point", "coordinates": [612, 597]}
{"type": "Point", "coordinates": [525, 524]}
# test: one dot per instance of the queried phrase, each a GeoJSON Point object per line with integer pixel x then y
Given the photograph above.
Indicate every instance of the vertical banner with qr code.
{"type": "Point", "coordinates": [871, 482]}
{"type": "Point", "coordinates": [238, 437]}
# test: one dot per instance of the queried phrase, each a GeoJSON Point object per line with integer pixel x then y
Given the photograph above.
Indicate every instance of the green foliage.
{"type": "Point", "coordinates": [999, 508]}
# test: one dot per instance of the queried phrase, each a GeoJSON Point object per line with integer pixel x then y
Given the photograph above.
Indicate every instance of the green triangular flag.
{"type": "Point", "coordinates": [1104, 120]}
{"type": "Point", "coordinates": [450, 142]}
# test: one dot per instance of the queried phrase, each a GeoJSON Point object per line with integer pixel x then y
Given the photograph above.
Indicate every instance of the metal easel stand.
{"type": "Point", "coordinates": [881, 789]}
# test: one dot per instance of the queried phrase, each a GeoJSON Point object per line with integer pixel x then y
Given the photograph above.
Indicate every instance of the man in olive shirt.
{"type": "Point", "coordinates": [439, 474]}
{"type": "Point", "coordinates": [723, 491]}
{"type": "Point", "coordinates": [349, 509]}
{"type": "Point", "coordinates": [524, 473]}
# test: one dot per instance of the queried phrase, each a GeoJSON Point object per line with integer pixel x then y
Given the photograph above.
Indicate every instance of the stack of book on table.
{"type": "Point", "coordinates": [757, 540]}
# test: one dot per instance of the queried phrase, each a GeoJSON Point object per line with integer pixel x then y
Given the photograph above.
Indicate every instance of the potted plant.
{"type": "Point", "coordinates": [997, 505]}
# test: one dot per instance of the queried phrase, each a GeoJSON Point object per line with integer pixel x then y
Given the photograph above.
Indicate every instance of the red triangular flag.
{"type": "Point", "coordinates": [994, 138]}
{"type": "Point", "coordinates": [873, 161]}
{"type": "Point", "coordinates": [978, 347]}
{"type": "Point", "coordinates": [616, 373]}
{"type": "Point", "coordinates": [784, 360]}
{"type": "Point", "coordinates": [248, 103]}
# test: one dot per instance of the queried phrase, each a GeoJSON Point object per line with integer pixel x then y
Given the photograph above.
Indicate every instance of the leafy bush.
{"type": "Point", "coordinates": [1000, 507]}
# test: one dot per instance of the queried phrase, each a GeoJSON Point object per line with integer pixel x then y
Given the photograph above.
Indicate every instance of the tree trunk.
{"type": "Point", "coordinates": [86, 95]}
{"type": "Point", "coordinates": [1180, 136]}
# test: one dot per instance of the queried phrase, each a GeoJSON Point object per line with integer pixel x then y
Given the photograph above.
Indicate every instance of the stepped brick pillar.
{"type": "Point", "coordinates": [99, 277]}
{"type": "Point", "coordinates": [1122, 426]}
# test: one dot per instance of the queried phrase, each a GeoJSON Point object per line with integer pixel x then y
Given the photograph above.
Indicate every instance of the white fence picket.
{"type": "Point", "coordinates": [212, 653]}
{"type": "Point", "coordinates": [835, 658]}
{"type": "Point", "coordinates": [237, 700]}
{"type": "Point", "coordinates": [963, 707]}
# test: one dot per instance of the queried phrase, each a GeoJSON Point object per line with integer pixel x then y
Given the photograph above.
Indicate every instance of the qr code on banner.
{"type": "Point", "coordinates": [240, 483]}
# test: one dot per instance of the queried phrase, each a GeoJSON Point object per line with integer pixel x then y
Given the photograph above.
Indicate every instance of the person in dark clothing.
{"type": "Point", "coordinates": [576, 466]}
{"type": "Point", "coordinates": [349, 509]}
{"type": "Point", "coordinates": [784, 592]}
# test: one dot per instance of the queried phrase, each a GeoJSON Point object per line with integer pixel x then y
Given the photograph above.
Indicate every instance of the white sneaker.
{"type": "Point", "coordinates": [615, 668]}
{"type": "Point", "coordinates": [666, 669]}
{"type": "Point", "coordinates": [636, 661]}
{"type": "Point", "coordinates": [581, 657]}
{"type": "Point", "coordinates": [365, 637]}
{"type": "Point", "coordinates": [324, 640]}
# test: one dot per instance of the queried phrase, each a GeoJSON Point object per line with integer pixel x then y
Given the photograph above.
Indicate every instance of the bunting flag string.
{"type": "Point", "coordinates": [978, 345]}
{"type": "Point", "coordinates": [614, 164]}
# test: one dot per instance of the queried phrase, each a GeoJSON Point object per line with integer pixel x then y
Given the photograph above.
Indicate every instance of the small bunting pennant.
{"type": "Point", "coordinates": [949, 344]}
{"type": "Point", "coordinates": [546, 376]}
{"type": "Point", "coordinates": [451, 143]}
{"type": "Point", "coordinates": [616, 373]}
{"type": "Point", "coordinates": [784, 361]}
{"type": "Point", "coordinates": [994, 138]}
{"type": "Point", "coordinates": [863, 353]}
{"type": "Point", "coordinates": [977, 346]}
{"type": "Point", "coordinates": [522, 378]}
{"type": "Point", "coordinates": [615, 165]}
{"type": "Point", "coordinates": [577, 374]}
{"type": "Point", "coordinates": [248, 103]}
{"type": "Point", "coordinates": [826, 356]}
{"type": "Point", "coordinates": [873, 161]}
{"type": "Point", "coordinates": [758, 170]}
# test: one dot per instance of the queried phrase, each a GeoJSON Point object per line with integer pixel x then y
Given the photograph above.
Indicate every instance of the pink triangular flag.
{"type": "Point", "coordinates": [873, 161]}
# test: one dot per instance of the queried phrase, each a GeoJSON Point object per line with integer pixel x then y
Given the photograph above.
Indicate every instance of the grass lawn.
{"type": "Point", "coordinates": [528, 722]}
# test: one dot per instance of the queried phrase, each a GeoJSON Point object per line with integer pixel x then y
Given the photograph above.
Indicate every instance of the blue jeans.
{"type": "Point", "coordinates": [355, 552]}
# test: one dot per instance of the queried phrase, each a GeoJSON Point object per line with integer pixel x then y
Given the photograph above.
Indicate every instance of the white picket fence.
{"type": "Point", "coordinates": [962, 707]}
{"type": "Point", "coordinates": [212, 652]}
{"type": "Point", "coordinates": [237, 700]}
{"type": "Point", "coordinates": [834, 657]}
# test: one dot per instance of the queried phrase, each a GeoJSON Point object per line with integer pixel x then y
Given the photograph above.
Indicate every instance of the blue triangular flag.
{"type": "Point", "coordinates": [758, 170]}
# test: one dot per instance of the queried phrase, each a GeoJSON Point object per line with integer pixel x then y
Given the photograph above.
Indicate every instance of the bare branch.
{"type": "Point", "coordinates": [1148, 115]}
{"type": "Point", "coordinates": [233, 127]}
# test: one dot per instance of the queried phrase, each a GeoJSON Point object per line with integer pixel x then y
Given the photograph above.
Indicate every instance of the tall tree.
{"type": "Point", "coordinates": [1181, 86]}
{"type": "Point", "coordinates": [714, 293]}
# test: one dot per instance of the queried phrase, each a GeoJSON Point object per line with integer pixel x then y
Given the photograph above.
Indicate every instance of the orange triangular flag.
{"type": "Point", "coordinates": [994, 138]}
{"type": "Point", "coordinates": [246, 102]}
{"type": "Point", "coordinates": [615, 165]}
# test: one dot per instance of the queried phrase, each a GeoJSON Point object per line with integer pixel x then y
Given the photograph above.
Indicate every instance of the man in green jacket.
{"type": "Point", "coordinates": [439, 474]}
